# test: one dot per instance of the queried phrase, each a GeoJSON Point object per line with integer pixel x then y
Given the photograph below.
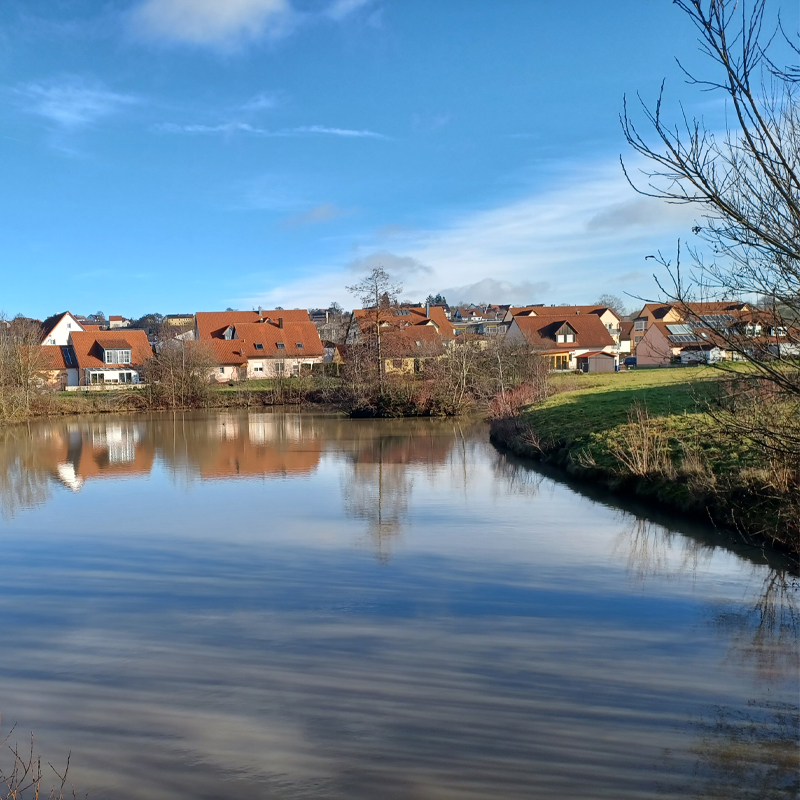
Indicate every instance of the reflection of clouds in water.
{"type": "Point", "coordinates": [331, 679]}
{"type": "Point", "coordinates": [232, 642]}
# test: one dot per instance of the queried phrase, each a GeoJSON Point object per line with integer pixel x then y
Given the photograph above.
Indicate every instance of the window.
{"type": "Point", "coordinates": [117, 356]}
{"type": "Point", "coordinates": [258, 346]}
{"type": "Point", "coordinates": [299, 345]}
{"type": "Point", "coordinates": [68, 359]}
{"type": "Point", "coordinates": [222, 370]}
{"type": "Point", "coordinates": [126, 377]}
{"type": "Point", "coordinates": [258, 368]}
{"type": "Point", "coordinates": [279, 368]}
{"type": "Point", "coordinates": [280, 345]}
{"type": "Point", "coordinates": [639, 324]}
{"type": "Point", "coordinates": [295, 370]}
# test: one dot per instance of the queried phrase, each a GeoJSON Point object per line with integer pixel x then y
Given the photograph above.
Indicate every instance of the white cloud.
{"type": "Point", "coordinates": [497, 291]}
{"type": "Point", "coordinates": [261, 102]}
{"type": "Point", "coordinates": [227, 23]}
{"type": "Point", "coordinates": [396, 266]}
{"type": "Point", "coordinates": [570, 242]}
{"type": "Point", "coordinates": [72, 103]}
{"type": "Point", "coordinates": [246, 127]}
{"type": "Point", "coordinates": [212, 22]}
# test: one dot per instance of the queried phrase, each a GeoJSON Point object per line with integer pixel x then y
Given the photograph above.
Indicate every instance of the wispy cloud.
{"type": "Point", "coordinates": [246, 127]}
{"type": "Point", "coordinates": [229, 23]}
{"type": "Point", "coordinates": [71, 103]}
{"type": "Point", "coordinates": [572, 241]}
{"type": "Point", "coordinates": [325, 212]}
{"type": "Point", "coordinates": [212, 22]}
{"type": "Point", "coordinates": [261, 102]}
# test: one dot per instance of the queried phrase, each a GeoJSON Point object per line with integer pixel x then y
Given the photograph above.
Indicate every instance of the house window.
{"type": "Point", "coordinates": [280, 345]}
{"type": "Point", "coordinates": [279, 368]}
{"type": "Point", "coordinates": [258, 368]}
{"type": "Point", "coordinates": [126, 377]}
{"type": "Point", "coordinates": [117, 356]}
{"type": "Point", "coordinates": [295, 370]}
{"type": "Point", "coordinates": [68, 359]}
{"type": "Point", "coordinates": [222, 370]}
{"type": "Point", "coordinates": [639, 324]}
{"type": "Point", "coordinates": [258, 346]}
{"type": "Point", "coordinates": [299, 345]}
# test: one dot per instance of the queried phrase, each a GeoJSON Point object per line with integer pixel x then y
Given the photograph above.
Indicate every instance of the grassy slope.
{"type": "Point", "coordinates": [713, 474]}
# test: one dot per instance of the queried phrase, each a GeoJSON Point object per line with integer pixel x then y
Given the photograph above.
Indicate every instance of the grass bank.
{"type": "Point", "coordinates": [648, 434]}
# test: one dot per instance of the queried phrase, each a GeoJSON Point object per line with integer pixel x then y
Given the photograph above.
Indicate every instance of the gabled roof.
{"type": "Point", "coordinates": [269, 336]}
{"type": "Point", "coordinates": [411, 315]}
{"type": "Point", "coordinates": [413, 341]}
{"type": "Point", "coordinates": [657, 310]}
{"type": "Point", "coordinates": [89, 346]}
{"type": "Point", "coordinates": [541, 331]}
{"type": "Point", "coordinates": [50, 323]}
{"type": "Point", "coordinates": [625, 329]}
{"type": "Point", "coordinates": [211, 324]}
{"type": "Point", "coordinates": [569, 311]}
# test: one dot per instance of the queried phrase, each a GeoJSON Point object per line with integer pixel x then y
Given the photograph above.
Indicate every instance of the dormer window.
{"type": "Point", "coordinates": [299, 345]}
{"type": "Point", "coordinates": [280, 345]}
{"type": "Point", "coordinates": [258, 346]}
{"type": "Point", "coordinates": [117, 356]}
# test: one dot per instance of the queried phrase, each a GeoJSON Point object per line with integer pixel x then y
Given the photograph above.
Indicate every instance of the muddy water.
{"type": "Point", "coordinates": [286, 606]}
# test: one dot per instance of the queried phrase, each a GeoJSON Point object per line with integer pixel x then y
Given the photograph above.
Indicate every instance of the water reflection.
{"type": "Point", "coordinates": [503, 635]}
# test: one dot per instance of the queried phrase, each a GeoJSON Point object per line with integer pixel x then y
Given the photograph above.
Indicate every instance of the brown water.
{"type": "Point", "coordinates": [282, 606]}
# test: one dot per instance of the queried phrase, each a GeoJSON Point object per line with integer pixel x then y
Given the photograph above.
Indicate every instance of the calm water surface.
{"type": "Point", "coordinates": [287, 606]}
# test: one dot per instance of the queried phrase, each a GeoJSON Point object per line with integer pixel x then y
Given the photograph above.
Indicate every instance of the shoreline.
{"type": "Point", "coordinates": [657, 492]}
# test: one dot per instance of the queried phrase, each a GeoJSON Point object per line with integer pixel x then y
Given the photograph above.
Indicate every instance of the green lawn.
{"type": "Point", "coordinates": [601, 401]}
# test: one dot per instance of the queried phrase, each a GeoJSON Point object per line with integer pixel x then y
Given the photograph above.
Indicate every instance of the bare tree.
{"type": "Point", "coordinates": [179, 375]}
{"type": "Point", "coordinates": [21, 362]}
{"type": "Point", "coordinates": [377, 293]}
{"type": "Point", "coordinates": [745, 183]}
{"type": "Point", "coordinates": [614, 302]}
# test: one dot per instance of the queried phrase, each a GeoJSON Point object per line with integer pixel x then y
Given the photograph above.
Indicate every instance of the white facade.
{"type": "Point", "coordinates": [278, 368]}
{"type": "Point", "coordinates": [95, 375]}
{"type": "Point", "coordinates": [60, 334]}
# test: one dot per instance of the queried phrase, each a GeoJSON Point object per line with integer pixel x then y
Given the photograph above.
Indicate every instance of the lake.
{"type": "Point", "coordinates": [270, 605]}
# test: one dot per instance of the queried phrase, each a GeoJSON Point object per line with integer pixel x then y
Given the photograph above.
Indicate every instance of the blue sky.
{"type": "Point", "coordinates": [184, 155]}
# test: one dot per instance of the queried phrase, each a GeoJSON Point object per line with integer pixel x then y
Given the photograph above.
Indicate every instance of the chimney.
{"type": "Point", "coordinates": [428, 310]}
{"type": "Point", "coordinates": [259, 312]}
{"type": "Point", "coordinates": [280, 322]}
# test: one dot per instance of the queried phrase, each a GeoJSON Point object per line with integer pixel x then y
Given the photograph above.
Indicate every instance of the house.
{"type": "Point", "coordinates": [249, 345]}
{"type": "Point", "coordinates": [608, 317]}
{"type": "Point", "coordinates": [179, 320]}
{"type": "Point", "coordinates": [118, 322]}
{"type": "Point", "coordinates": [364, 319]}
{"type": "Point", "coordinates": [710, 313]}
{"type": "Point", "coordinates": [626, 337]}
{"type": "Point", "coordinates": [563, 340]}
{"type": "Point", "coordinates": [56, 330]}
{"type": "Point", "coordinates": [405, 350]}
{"type": "Point", "coordinates": [110, 357]}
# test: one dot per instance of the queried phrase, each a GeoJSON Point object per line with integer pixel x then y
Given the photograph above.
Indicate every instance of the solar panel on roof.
{"type": "Point", "coordinates": [679, 330]}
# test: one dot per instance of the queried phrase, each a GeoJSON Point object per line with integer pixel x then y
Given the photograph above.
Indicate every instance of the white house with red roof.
{"type": "Point", "coordinates": [249, 345]}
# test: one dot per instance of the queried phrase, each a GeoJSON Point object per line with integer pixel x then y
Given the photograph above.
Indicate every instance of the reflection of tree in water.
{"type": "Point", "coordinates": [385, 457]}
{"type": "Point", "coordinates": [379, 494]}
{"type": "Point", "coordinates": [24, 482]}
{"type": "Point", "coordinates": [749, 754]}
{"type": "Point", "coordinates": [764, 633]}
{"type": "Point", "coordinates": [650, 550]}
{"type": "Point", "coordinates": [515, 476]}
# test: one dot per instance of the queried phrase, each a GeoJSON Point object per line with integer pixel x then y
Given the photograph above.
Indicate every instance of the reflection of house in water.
{"type": "Point", "coordinates": [232, 445]}
{"type": "Point", "coordinates": [99, 450]}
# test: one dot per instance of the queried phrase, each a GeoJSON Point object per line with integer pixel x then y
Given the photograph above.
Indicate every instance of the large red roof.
{"type": "Point", "coordinates": [212, 324]}
{"type": "Point", "coordinates": [589, 330]}
{"type": "Point", "coordinates": [89, 346]}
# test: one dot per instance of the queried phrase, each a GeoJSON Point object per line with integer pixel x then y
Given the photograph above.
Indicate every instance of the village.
{"type": "Point", "coordinates": [95, 353]}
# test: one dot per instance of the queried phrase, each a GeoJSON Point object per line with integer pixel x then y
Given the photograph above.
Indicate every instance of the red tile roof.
{"type": "Point", "coordinates": [413, 315]}
{"type": "Point", "coordinates": [299, 339]}
{"type": "Point", "coordinates": [212, 324]}
{"type": "Point", "coordinates": [589, 330]}
{"type": "Point", "coordinates": [89, 345]}
{"type": "Point", "coordinates": [52, 357]}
